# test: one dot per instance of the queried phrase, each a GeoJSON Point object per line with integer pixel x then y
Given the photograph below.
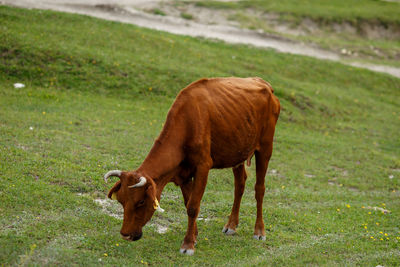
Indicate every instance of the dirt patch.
{"type": "Point", "coordinates": [379, 31]}
{"type": "Point", "coordinates": [110, 208]}
{"type": "Point", "coordinates": [161, 229]}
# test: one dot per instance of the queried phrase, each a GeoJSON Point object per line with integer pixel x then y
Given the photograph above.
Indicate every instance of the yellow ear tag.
{"type": "Point", "coordinates": [114, 196]}
{"type": "Point", "coordinates": [156, 204]}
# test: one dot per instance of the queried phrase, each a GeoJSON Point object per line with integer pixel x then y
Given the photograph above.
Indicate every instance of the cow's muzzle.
{"type": "Point", "coordinates": [132, 237]}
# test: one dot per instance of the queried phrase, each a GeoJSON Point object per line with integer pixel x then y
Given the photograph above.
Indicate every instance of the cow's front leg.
{"type": "Point", "coordinates": [193, 208]}
{"type": "Point", "coordinates": [186, 189]}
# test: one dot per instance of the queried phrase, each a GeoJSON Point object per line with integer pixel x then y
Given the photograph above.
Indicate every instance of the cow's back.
{"type": "Point", "coordinates": [231, 114]}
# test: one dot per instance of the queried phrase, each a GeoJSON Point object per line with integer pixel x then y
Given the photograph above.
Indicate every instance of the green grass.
{"type": "Point", "coordinates": [96, 95]}
{"type": "Point", "coordinates": [337, 10]}
{"type": "Point", "coordinates": [186, 16]}
{"type": "Point", "coordinates": [157, 11]}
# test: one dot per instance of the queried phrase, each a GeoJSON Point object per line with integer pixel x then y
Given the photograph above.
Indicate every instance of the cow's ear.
{"type": "Point", "coordinates": [151, 193]}
{"type": "Point", "coordinates": [113, 191]}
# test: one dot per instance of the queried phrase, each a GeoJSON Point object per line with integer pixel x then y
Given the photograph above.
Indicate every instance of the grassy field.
{"type": "Point", "coordinates": [368, 30]}
{"type": "Point", "coordinates": [96, 96]}
{"type": "Point", "coordinates": [336, 10]}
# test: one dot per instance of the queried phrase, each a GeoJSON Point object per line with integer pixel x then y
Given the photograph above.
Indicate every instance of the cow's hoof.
{"type": "Point", "coordinates": [259, 237]}
{"type": "Point", "coordinates": [228, 231]}
{"type": "Point", "coordinates": [187, 251]}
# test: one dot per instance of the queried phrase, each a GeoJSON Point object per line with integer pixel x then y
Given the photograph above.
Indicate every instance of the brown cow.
{"type": "Point", "coordinates": [213, 123]}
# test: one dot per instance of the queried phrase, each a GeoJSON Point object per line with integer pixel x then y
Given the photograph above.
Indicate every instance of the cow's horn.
{"type": "Point", "coordinates": [112, 173]}
{"type": "Point", "coordinates": [142, 182]}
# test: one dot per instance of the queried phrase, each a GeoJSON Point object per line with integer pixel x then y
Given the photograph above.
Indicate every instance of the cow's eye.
{"type": "Point", "coordinates": [140, 203]}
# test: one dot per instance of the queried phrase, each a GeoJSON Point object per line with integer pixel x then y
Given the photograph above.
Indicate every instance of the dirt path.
{"type": "Point", "coordinates": [129, 11]}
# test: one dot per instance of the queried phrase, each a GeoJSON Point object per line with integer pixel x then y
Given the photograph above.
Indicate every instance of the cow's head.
{"type": "Point", "coordinates": [137, 195]}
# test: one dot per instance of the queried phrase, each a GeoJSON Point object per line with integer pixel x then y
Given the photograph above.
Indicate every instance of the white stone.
{"type": "Point", "coordinates": [19, 85]}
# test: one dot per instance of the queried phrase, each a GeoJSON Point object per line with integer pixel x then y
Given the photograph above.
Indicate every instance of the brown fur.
{"type": "Point", "coordinates": [213, 123]}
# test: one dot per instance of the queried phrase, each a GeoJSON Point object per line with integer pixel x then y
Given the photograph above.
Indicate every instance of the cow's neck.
{"type": "Point", "coordinates": [164, 157]}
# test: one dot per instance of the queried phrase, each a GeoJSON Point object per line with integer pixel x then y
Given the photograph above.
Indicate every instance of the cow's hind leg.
{"type": "Point", "coordinates": [262, 160]}
{"type": "Point", "coordinates": [240, 180]}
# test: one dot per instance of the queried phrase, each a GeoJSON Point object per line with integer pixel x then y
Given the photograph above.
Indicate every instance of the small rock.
{"type": "Point", "coordinates": [344, 51]}
{"type": "Point", "coordinates": [19, 85]}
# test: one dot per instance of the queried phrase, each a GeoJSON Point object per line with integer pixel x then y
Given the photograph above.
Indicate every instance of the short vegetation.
{"type": "Point", "coordinates": [96, 95]}
{"type": "Point", "coordinates": [385, 12]}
